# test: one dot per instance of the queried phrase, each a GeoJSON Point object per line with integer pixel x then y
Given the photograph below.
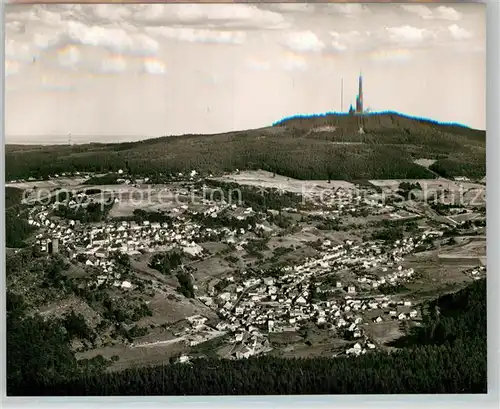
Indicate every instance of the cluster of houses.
{"type": "Point", "coordinates": [340, 289]}
{"type": "Point", "coordinates": [253, 307]}
{"type": "Point", "coordinates": [98, 241]}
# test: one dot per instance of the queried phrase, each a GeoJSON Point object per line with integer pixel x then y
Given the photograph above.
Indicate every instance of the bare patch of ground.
{"type": "Point", "coordinates": [383, 332]}
{"type": "Point", "coordinates": [425, 162]}
{"type": "Point", "coordinates": [48, 184]}
{"type": "Point", "coordinates": [130, 356]}
{"type": "Point", "coordinates": [170, 308]}
{"type": "Point", "coordinates": [266, 179]}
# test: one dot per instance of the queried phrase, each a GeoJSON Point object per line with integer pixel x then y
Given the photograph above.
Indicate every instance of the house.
{"type": "Point", "coordinates": [270, 326]}
{"type": "Point", "coordinates": [301, 300]}
{"type": "Point", "coordinates": [126, 284]}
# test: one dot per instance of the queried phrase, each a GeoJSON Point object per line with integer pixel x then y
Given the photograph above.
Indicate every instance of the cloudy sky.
{"type": "Point", "coordinates": [124, 72]}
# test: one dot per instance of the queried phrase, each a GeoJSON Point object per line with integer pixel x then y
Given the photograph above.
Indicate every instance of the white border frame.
{"type": "Point", "coordinates": [304, 401]}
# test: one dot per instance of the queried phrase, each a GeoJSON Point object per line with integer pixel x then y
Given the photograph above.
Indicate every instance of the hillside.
{"type": "Point", "coordinates": [447, 355]}
{"type": "Point", "coordinates": [319, 147]}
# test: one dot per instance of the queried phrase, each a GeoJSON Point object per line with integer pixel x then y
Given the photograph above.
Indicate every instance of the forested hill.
{"type": "Point", "coordinates": [321, 147]}
{"type": "Point", "coordinates": [447, 354]}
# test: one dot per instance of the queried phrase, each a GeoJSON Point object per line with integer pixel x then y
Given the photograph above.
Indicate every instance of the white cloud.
{"type": "Point", "coordinates": [294, 63]}
{"type": "Point", "coordinates": [51, 83]}
{"type": "Point", "coordinates": [113, 64]}
{"type": "Point", "coordinates": [194, 35]}
{"type": "Point", "coordinates": [408, 34]}
{"type": "Point", "coordinates": [224, 15]}
{"type": "Point", "coordinates": [18, 51]}
{"type": "Point", "coordinates": [15, 27]}
{"type": "Point", "coordinates": [11, 67]}
{"type": "Point", "coordinates": [420, 10]}
{"type": "Point", "coordinates": [348, 9]}
{"type": "Point", "coordinates": [155, 67]}
{"type": "Point", "coordinates": [447, 13]}
{"type": "Point", "coordinates": [111, 12]}
{"type": "Point", "coordinates": [438, 13]}
{"type": "Point", "coordinates": [391, 55]}
{"type": "Point", "coordinates": [292, 7]}
{"type": "Point", "coordinates": [115, 39]}
{"type": "Point", "coordinates": [459, 33]}
{"type": "Point", "coordinates": [258, 65]}
{"type": "Point", "coordinates": [69, 56]}
{"type": "Point", "coordinates": [46, 40]}
{"type": "Point", "coordinates": [343, 41]}
{"type": "Point", "coordinates": [304, 41]}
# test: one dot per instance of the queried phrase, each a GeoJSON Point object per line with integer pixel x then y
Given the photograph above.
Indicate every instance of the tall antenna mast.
{"type": "Point", "coordinates": [69, 139]}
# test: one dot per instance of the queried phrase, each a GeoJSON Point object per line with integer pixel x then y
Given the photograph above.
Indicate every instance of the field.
{"type": "Point", "coordinates": [268, 180]}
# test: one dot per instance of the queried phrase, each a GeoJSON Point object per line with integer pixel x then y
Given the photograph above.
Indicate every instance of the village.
{"type": "Point", "coordinates": [341, 287]}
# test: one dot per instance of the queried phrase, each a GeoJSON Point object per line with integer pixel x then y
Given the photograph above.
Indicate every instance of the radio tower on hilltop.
{"type": "Point", "coordinates": [70, 142]}
{"type": "Point", "coordinates": [359, 98]}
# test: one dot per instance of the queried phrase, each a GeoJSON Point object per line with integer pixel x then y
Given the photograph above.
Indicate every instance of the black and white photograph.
{"type": "Point", "coordinates": [245, 199]}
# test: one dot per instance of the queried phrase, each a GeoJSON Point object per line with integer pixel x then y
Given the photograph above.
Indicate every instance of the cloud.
{"type": "Point", "coordinates": [304, 41]}
{"type": "Point", "coordinates": [69, 56]}
{"type": "Point", "coordinates": [194, 35]}
{"type": "Point", "coordinates": [392, 56]}
{"type": "Point", "coordinates": [258, 65]}
{"type": "Point", "coordinates": [459, 33]}
{"type": "Point", "coordinates": [222, 15]}
{"type": "Point", "coordinates": [438, 13]}
{"type": "Point", "coordinates": [17, 51]}
{"type": "Point", "coordinates": [46, 40]}
{"type": "Point", "coordinates": [11, 67]}
{"type": "Point", "coordinates": [447, 13]}
{"type": "Point", "coordinates": [51, 83]}
{"type": "Point", "coordinates": [343, 41]}
{"type": "Point", "coordinates": [114, 39]}
{"type": "Point", "coordinates": [154, 66]}
{"type": "Point", "coordinates": [112, 12]}
{"type": "Point", "coordinates": [291, 7]}
{"type": "Point", "coordinates": [293, 62]}
{"type": "Point", "coordinates": [15, 27]}
{"type": "Point", "coordinates": [113, 64]}
{"type": "Point", "coordinates": [349, 10]}
{"type": "Point", "coordinates": [408, 34]}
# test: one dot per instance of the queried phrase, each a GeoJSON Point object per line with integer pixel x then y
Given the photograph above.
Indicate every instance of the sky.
{"type": "Point", "coordinates": [120, 72]}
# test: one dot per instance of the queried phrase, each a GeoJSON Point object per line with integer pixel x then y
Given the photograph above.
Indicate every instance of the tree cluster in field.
{"type": "Point", "coordinates": [391, 289]}
{"type": "Point", "coordinates": [93, 212]}
{"type": "Point", "coordinates": [259, 199]}
{"type": "Point", "coordinates": [224, 219]}
{"type": "Point", "coordinates": [186, 287]}
{"type": "Point", "coordinates": [407, 190]}
{"type": "Point", "coordinates": [447, 354]}
{"type": "Point", "coordinates": [17, 228]}
{"type": "Point", "coordinates": [166, 262]}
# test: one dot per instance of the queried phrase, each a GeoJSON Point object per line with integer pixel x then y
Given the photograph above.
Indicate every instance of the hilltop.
{"type": "Point", "coordinates": [330, 146]}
